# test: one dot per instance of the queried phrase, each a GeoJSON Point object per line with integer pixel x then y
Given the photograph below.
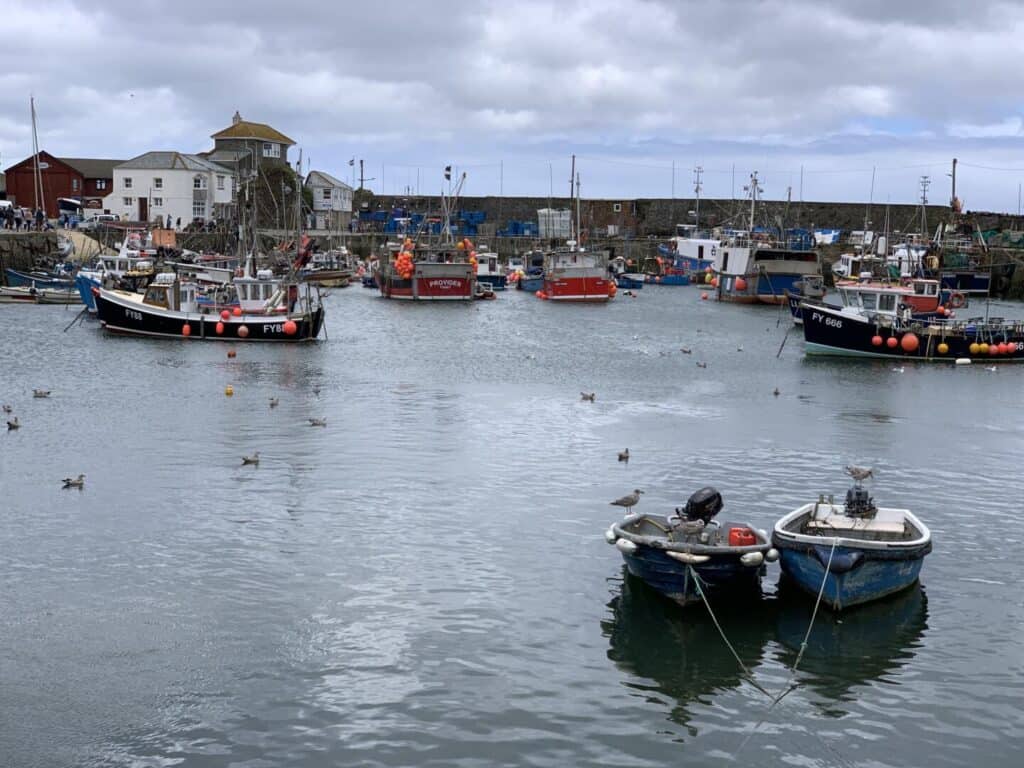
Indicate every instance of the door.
{"type": "Point", "coordinates": [143, 209]}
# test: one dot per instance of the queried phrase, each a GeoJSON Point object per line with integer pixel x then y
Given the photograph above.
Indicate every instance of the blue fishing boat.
{"type": "Point", "coordinates": [529, 269]}
{"type": "Point", "coordinates": [689, 552]}
{"type": "Point", "coordinates": [624, 277]}
{"type": "Point", "coordinates": [811, 290]}
{"type": "Point", "coordinates": [18, 279]}
{"type": "Point", "coordinates": [853, 552]}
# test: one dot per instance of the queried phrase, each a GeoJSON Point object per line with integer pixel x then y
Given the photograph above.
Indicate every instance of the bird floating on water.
{"type": "Point", "coordinates": [74, 482]}
{"type": "Point", "coordinates": [858, 473]}
{"type": "Point", "coordinates": [588, 396]}
{"type": "Point", "coordinates": [316, 391]}
{"type": "Point", "coordinates": [12, 423]}
{"type": "Point", "coordinates": [254, 459]}
{"type": "Point", "coordinates": [686, 350]}
{"type": "Point", "coordinates": [273, 402]}
{"type": "Point", "coordinates": [702, 365]}
{"type": "Point", "coordinates": [7, 408]}
{"type": "Point", "coordinates": [628, 501]}
{"type": "Point", "coordinates": [775, 391]}
{"type": "Point", "coordinates": [318, 422]}
{"type": "Point", "coordinates": [624, 455]}
{"type": "Point", "coordinates": [40, 393]}
{"type": "Point", "coordinates": [898, 370]}
{"type": "Point", "coordinates": [991, 368]}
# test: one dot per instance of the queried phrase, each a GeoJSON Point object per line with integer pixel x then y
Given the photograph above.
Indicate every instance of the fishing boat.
{"type": "Point", "coordinates": [529, 270]}
{"type": "Point", "coordinates": [692, 251]}
{"type": "Point", "coordinates": [27, 294]}
{"type": "Point", "coordinates": [62, 280]}
{"type": "Point", "coordinates": [489, 270]}
{"type": "Point", "coordinates": [131, 268]}
{"type": "Point", "coordinates": [851, 553]}
{"type": "Point", "coordinates": [689, 552]}
{"type": "Point", "coordinates": [811, 290]}
{"type": "Point", "coordinates": [624, 277]}
{"type": "Point", "coordinates": [329, 269]}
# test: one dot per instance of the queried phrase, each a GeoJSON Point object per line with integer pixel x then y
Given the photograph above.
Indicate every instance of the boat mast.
{"type": "Point", "coordinates": [37, 174]}
{"type": "Point", "coordinates": [697, 186]}
{"type": "Point", "coordinates": [754, 190]}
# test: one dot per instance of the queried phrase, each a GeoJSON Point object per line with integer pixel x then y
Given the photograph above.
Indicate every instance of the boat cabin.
{"type": "Point", "coordinates": [917, 296]}
{"type": "Point", "coordinates": [168, 293]}
{"type": "Point", "coordinates": [259, 294]}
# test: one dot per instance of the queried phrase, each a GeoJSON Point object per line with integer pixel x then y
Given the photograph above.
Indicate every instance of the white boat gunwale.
{"type": "Point", "coordinates": [810, 510]}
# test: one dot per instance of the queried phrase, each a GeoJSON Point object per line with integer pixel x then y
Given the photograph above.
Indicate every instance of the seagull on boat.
{"type": "Point", "coordinates": [12, 423]}
{"type": "Point", "coordinates": [588, 396]}
{"type": "Point", "coordinates": [74, 482]}
{"type": "Point", "coordinates": [7, 408]}
{"type": "Point", "coordinates": [858, 473]}
{"type": "Point", "coordinates": [273, 402]}
{"type": "Point", "coordinates": [254, 459]}
{"type": "Point", "coordinates": [624, 455]}
{"type": "Point", "coordinates": [629, 500]}
{"type": "Point", "coordinates": [40, 393]}
{"type": "Point", "coordinates": [318, 422]}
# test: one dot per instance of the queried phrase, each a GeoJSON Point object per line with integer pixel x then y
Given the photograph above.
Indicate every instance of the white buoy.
{"type": "Point", "coordinates": [963, 361]}
{"type": "Point", "coordinates": [610, 536]}
{"type": "Point", "coordinates": [688, 557]}
{"type": "Point", "coordinates": [752, 558]}
{"type": "Point", "coordinates": [771, 555]}
{"type": "Point", "coordinates": [625, 546]}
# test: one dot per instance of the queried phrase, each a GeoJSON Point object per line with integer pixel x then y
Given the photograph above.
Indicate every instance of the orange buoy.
{"type": "Point", "coordinates": [704, 296]}
{"type": "Point", "coordinates": [224, 314]}
{"type": "Point", "coordinates": [975, 348]}
{"type": "Point", "coordinates": [219, 328]}
{"type": "Point", "coordinates": [891, 342]}
{"type": "Point", "coordinates": [229, 390]}
{"type": "Point", "coordinates": [290, 328]}
{"type": "Point", "coordinates": [741, 284]}
{"type": "Point", "coordinates": [231, 353]}
{"type": "Point", "coordinates": [243, 331]}
{"type": "Point", "coordinates": [714, 282]}
{"type": "Point", "coordinates": [876, 340]}
{"type": "Point", "coordinates": [186, 330]}
{"type": "Point", "coordinates": [538, 293]}
{"type": "Point", "coordinates": [237, 311]}
{"type": "Point", "coordinates": [910, 342]}
{"type": "Point", "coordinates": [943, 348]}
{"type": "Point", "coordinates": [983, 348]}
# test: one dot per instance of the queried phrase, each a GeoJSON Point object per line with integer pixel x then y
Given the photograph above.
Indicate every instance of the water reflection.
{"type": "Point", "coordinates": [679, 650]}
{"type": "Point", "coordinates": [868, 643]}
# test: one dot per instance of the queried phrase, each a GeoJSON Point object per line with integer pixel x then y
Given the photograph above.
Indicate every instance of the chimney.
{"type": "Point", "coordinates": [236, 119]}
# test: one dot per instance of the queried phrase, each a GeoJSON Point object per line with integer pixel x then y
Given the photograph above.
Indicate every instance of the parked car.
{"type": "Point", "coordinates": [97, 221]}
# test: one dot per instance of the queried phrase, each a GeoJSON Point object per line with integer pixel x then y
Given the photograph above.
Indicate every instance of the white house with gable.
{"type": "Point", "coordinates": [170, 186]}
{"type": "Point", "coordinates": [332, 201]}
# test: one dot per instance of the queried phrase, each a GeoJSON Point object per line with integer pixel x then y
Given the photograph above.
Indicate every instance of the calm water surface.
{"type": "Point", "coordinates": [424, 582]}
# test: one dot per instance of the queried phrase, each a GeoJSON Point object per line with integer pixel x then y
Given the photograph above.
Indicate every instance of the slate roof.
{"type": "Point", "coordinates": [172, 161]}
{"type": "Point", "coordinates": [331, 181]}
{"type": "Point", "coordinates": [91, 168]}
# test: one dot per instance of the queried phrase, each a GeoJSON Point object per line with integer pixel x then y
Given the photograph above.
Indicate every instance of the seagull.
{"type": "Point", "coordinates": [40, 393]}
{"type": "Point", "coordinates": [628, 501]}
{"type": "Point", "coordinates": [775, 391]}
{"type": "Point", "coordinates": [686, 350]}
{"type": "Point", "coordinates": [316, 391]}
{"type": "Point", "coordinates": [74, 482]}
{"type": "Point", "coordinates": [858, 473]}
{"type": "Point", "coordinates": [273, 402]}
{"type": "Point", "coordinates": [588, 396]}
{"type": "Point", "coordinates": [739, 349]}
{"type": "Point", "coordinates": [624, 455]}
{"type": "Point", "coordinates": [898, 370]}
{"type": "Point", "coordinates": [7, 408]}
{"type": "Point", "coordinates": [991, 368]}
{"type": "Point", "coordinates": [702, 365]}
{"type": "Point", "coordinates": [318, 422]}
{"type": "Point", "coordinates": [254, 459]}
{"type": "Point", "coordinates": [12, 423]}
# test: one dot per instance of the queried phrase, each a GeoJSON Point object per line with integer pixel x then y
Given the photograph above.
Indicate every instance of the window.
{"type": "Point", "coordinates": [127, 182]}
{"type": "Point", "coordinates": [327, 193]}
{"type": "Point", "coordinates": [199, 182]}
{"type": "Point", "coordinates": [158, 202]}
{"type": "Point", "coordinates": [198, 209]}
{"type": "Point", "coordinates": [220, 182]}
{"type": "Point", "coordinates": [617, 207]}
{"type": "Point", "coordinates": [127, 201]}
{"type": "Point", "coordinates": [869, 301]}
{"type": "Point", "coordinates": [101, 183]}
{"type": "Point", "coordinates": [74, 185]}
{"type": "Point", "coordinates": [158, 183]}
{"type": "Point", "coordinates": [887, 302]}
{"type": "Point", "coordinates": [271, 150]}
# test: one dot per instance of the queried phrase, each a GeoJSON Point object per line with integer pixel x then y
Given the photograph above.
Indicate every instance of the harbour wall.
{"type": "Point", "coordinates": [20, 250]}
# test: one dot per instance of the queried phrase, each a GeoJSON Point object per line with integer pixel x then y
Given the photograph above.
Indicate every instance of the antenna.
{"type": "Point", "coordinates": [924, 182]}
{"type": "Point", "coordinates": [753, 189]}
{"type": "Point", "coordinates": [698, 172]}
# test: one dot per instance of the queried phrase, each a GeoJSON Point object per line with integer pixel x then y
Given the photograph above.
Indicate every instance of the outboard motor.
{"type": "Point", "coordinates": [859, 503]}
{"type": "Point", "coordinates": [703, 505]}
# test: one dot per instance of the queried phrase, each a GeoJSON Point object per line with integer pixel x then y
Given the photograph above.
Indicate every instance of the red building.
{"type": "Point", "coordinates": [84, 179]}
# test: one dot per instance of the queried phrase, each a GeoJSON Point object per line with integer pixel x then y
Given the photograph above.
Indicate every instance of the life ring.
{"type": "Point", "coordinates": [957, 300]}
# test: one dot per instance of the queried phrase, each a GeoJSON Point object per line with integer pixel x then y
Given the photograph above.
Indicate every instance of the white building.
{"type": "Point", "coordinates": [170, 185]}
{"type": "Point", "coordinates": [332, 201]}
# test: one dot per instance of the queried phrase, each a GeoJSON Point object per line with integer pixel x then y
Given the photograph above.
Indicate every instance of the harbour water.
{"type": "Point", "coordinates": [424, 581]}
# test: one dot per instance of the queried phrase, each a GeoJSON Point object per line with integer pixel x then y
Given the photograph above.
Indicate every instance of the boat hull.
{"type": "Point", "coordinates": [855, 577]}
{"type": "Point", "coordinates": [131, 318]}
{"type": "Point", "coordinates": [530, 283]}
{"type": "Point", "coordinates": [431, 282]}
{"type": "Point", "coordinates": [579, 284]}
{"type": "Point", "coordinates": [630, 282]}
{"type": "Point", "coordinates": [669, 279]}
{"type": "Point", "coordinates": [496, 282]}
{"type": "Point", "coordinates": [18, 279]}
{"type": "Point", "coordinates": [675, 580]}
{"type": "Point", "coordinates": [828, 331]}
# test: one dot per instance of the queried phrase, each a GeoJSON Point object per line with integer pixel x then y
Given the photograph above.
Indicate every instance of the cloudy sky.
{"type": "Point", "coordinates": [508, 90]}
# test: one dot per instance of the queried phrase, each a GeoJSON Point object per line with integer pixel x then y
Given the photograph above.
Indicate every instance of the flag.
{"type": "Point", "coordinates": [352, 161]}
{"type": "Point", "coordinates": [448, 173]}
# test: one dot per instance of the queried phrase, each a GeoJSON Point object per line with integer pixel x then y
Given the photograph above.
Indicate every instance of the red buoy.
{"type": "Point", "coordinates": [290, 328]}
{"type": "Point", "coordinates": [876, 340]}
{"type": "Point", "coordinates": [186, 330]}
{"type": "Point", "coordinates": [224, 314]}
{"type": "Point", "coordinates": [910, 342]}
{"type": "Point", "coordinates": [891, 342]}
{"type": "Point", "coordinates": [741, 284]}
{"type": "Point", "coordinates": [219, 328]}
{"type": "Point", "coordinates": [704, 296]}
{"type": "Point", "coordinates": [237, 311]}
{"type": "Point", "coordinates": [243, 331]}
{"type": "Point", "coordinates": [231, 353]}
{"type": "Point", "coordinates": [714, 282]}
{"type": "Point", "coordinates": [538, 293]}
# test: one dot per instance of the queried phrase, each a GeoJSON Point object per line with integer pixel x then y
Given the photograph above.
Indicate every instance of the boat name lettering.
{"type": "Point", "coordinates": [835, 322]}
{"type": "Point", "coordinates": [440, 283]}
{"type": "Point", "coordinates": [133, 315]}
{"type": "Point", "coordinates": [273, 328]}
